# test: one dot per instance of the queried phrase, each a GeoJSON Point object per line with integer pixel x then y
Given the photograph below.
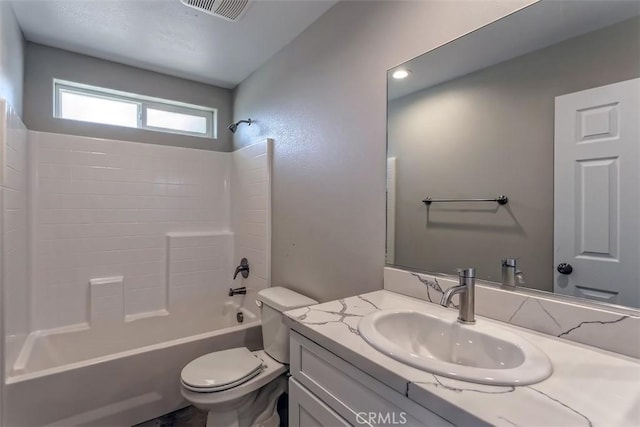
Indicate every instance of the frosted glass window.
{"type": "Point", "coordinates": [176, 121]}
{"type": "Point", "coordinates": [77, 101]}
{"type": "Point", "coordinates": [89, 108]}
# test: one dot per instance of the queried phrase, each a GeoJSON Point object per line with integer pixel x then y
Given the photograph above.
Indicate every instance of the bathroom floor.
{"type": "Point", "coordinates": [186, 417]}
{"type": "Point", "coordinates": [194, 417]}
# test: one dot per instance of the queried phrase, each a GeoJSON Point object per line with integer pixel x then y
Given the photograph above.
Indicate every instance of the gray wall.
{"type": "Point", "coordinates": [43, 64]}
{"type": "Point", "coordinates": [11, 58]}
{"type": "Point", "coordinates": [491, 132]}
{"type": "Point", "coordinates": [323, 100]}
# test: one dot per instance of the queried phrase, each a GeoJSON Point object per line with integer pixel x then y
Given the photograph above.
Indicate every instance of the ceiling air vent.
{"type": "Point", "coordinates": [231, 10]}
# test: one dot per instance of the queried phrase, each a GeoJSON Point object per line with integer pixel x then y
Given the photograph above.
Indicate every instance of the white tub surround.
{"type": "Point", "coordinates": [199, 266]}
{"type": "Point", "coordinates": [589, 386]}
{"type": "Point", "coordinates": [102, 208]}
{"type": "Point", "coordinates": [563, 317]}
{"type": "Point", "coordinates": [171, 222]}
{"type": "Point", "coordinates": [251, 211]}
{"type": "Point", "coordinates": [14, 231]}
{"type": "Point", "coordinates": [106, 299]}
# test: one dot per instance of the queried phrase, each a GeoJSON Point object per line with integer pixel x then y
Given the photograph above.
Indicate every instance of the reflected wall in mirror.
{"type": "Point", "coordinates": [487, 115]}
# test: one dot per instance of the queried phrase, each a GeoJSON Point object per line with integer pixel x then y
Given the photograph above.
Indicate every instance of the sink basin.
{"type": "Point", "coordinates": [480, 353]}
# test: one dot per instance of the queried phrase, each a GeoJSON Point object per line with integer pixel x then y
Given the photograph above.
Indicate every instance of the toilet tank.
{"type": "Point", "coordinates": [275, 334]}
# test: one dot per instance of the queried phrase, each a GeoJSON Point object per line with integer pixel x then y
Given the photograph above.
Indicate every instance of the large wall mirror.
{"type": "Point", "coordinates": [543, 107]}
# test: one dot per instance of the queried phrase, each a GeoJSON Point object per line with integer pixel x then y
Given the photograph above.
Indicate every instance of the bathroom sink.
{"type": "Point", "coordinates": [480, 353]}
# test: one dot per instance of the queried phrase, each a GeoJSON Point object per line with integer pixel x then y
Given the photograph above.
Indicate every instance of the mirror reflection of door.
{"type": "Point", "coordinates": [391, 211]}
{"type": "Point", "coordinates": [597, 197]}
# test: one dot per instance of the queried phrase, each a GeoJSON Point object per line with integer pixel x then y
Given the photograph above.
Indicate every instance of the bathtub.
{"type": "Point", "coordinates": [122, 373]}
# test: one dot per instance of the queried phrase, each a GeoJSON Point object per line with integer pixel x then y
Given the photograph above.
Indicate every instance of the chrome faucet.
{"type": "Point", "coordinates": [242, 268]}
{"type": "Point", "coordinates": [466, 289]}
{"type": "Point", "coordinates": [511, 276]}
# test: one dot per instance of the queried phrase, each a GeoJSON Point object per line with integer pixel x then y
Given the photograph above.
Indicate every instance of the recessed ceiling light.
{"type": "Point", "coordinates": [401, 74]}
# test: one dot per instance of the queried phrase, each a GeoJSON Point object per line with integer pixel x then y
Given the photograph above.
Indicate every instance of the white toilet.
{"type": "Point", "coordinates": [240, 387]}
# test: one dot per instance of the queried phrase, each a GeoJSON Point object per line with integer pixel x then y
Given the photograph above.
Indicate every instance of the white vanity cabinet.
{"type": "Point", "coordinates": [327, 391]}
{"type": "Point", "coordinates": [306, 410]}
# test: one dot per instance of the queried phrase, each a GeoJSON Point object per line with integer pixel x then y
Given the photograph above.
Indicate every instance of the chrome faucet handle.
{"type": "Point", "coordinates": [467, 272]}
{"type": "Point", "coordinates": [509, 262]}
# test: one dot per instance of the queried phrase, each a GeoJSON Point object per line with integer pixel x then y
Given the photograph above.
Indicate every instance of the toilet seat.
{"type": "Point", "coordinates": [220, 370]}
{"type": "Point", "coordinates": [272, 369]}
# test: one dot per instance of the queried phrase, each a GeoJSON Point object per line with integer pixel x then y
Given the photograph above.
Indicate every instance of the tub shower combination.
{"type": "Point", "coordinates": [131, 252]}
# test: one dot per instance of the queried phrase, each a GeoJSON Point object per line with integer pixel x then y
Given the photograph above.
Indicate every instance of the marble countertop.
{"type": "Point", "coordinates": [589, 386]}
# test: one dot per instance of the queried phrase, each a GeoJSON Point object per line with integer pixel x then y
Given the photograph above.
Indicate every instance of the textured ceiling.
{"type": "Point", "coordinates": [168, 37]}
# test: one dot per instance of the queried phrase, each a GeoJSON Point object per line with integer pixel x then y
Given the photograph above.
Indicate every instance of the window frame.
{"type": "Point", "coordinates": [143, 103]}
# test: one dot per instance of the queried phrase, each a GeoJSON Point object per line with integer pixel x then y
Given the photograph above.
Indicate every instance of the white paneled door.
{"type": "Point", "coordinates": [597, 194]}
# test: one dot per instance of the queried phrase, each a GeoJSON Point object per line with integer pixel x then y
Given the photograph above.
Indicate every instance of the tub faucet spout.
{"type": "Point", "coordinates": [237, 291]}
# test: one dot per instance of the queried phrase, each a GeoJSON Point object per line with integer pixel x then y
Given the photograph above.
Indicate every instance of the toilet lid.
{"type": "Point", "coordinates": [221, 369]}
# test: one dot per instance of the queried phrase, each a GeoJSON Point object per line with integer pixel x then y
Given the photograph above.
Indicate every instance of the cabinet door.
{"type": "Point", "coordinates": [306, 410]}
{"type": "Point", "coordinates": [354, 395]}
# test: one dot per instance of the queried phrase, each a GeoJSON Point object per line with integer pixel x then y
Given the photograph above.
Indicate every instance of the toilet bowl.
{"type": "Point", "coordinates": [239, 387]}
{"type": "Point", "coordinates": [226, 403]}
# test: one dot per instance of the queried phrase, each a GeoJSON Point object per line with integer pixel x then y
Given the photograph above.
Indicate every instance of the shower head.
{"type": "Point", "coordinates": [234, 126]}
